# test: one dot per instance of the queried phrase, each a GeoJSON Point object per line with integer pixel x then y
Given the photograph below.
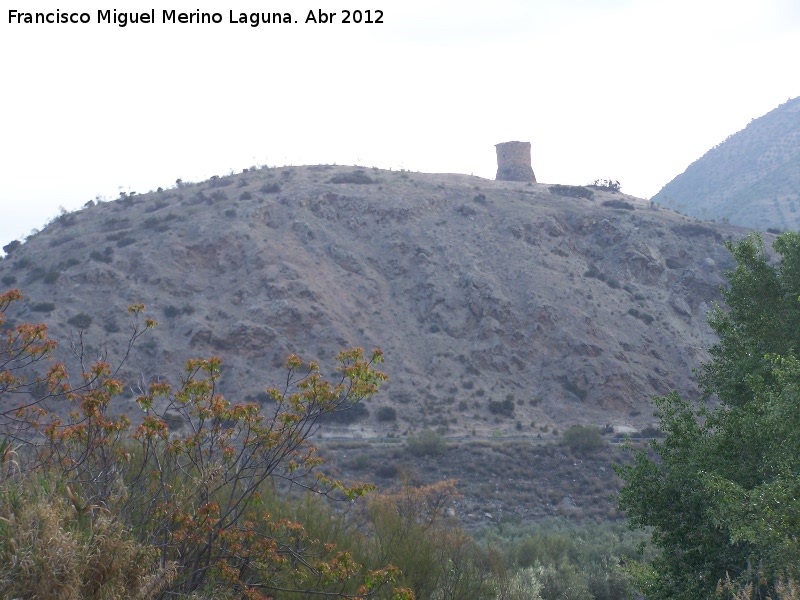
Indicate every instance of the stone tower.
{"type": "Point", "coordinates": [514, 162]}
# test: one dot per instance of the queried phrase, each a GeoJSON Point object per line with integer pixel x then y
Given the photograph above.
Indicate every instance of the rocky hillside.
{"type": "Point", "coordinates": [500, 306]}
{"type": "Point", "coordinates": [750, 179]}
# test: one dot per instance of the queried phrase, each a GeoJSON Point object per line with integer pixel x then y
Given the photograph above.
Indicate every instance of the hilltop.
{"type": "Point", "coordinates": [751, 179]}
{"type": "Point", "coordinates": [501, 307]}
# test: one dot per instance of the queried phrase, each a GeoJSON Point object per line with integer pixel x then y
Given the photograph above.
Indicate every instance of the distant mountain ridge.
{"type": "Point", "coordinates": [751, 179]}
{"type": "Point", "coordinates": [501, 306]}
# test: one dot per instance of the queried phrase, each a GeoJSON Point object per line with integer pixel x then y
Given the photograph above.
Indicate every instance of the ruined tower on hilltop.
{"type": "Point", "coordinates": [514, 162]}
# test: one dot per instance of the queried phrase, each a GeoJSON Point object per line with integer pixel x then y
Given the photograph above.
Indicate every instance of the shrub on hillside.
{"type": "Point", "coordinates": [619, 204]}
{"type": "Point", "coordinates": [157, 205]}
{"type": "Point", "coordinates": [111, 327]}
{"type": "Point", "coordinates": [502, 407]}
{"type": "Point", "coordinates": [81, 321]}
{"type": "Point", "coordinates": [216, 181]}
{"type": "Point", "coordinates": [11, 246]}
{"type": "Point", "coordinates": [106, 256]}
{"type": "Point", "coordinates": [35, 274]}
{"type": "Point", "coordinates": [642, 316]}
{"type": "Point", "coordinates": [43, 307]}
{"type": "Point", "coordinates": [172, 311]}
{"type": "Point", "coordinates": [386, 413]}
{"type": "Point", "coordinates": [594, 272]}
{"type": "Point", "coordinates": [125, 241]}
{"type": "Point", "coordinates": [426, 443]}
{"type": "Point", "coordinates": [51, 276]}
{"type": "Point", "coordinates": [345, 415]}
{"type": "Point", "coordinates": [583, 439]}
{"type": "Point", "coordinates": [270, 188]}
{"type": "Point", "coordinates": [574, 388]}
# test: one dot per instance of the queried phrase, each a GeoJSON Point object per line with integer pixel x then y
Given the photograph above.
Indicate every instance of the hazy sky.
{"type": "Point", "coordinates": [633, 90]}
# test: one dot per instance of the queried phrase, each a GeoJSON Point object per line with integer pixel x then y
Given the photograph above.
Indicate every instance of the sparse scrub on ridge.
{"type": "Point", "coordinates": [10, 247]}
{"type": "Point", "coordinates": [606, 185]}
{"type": "Point", "coordinates": [619, 204]}
{"type": "Point", "coordinates": [571, 191]}
{"type": "Point", "coordinates": [157, 205]}
{"type": "Point", "coordinates": [217, 182]}
{"type": "Point", "coordinates": [357, 177]}
{"type": "Point", "coordinates": [270, 188]}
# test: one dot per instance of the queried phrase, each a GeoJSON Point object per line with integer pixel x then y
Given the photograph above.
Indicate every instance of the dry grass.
{"type": "Point", "coordinates": [54, 547]}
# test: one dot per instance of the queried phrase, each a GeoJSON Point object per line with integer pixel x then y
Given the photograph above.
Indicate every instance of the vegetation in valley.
{"type": "Point", "coordinates": [202, 498]}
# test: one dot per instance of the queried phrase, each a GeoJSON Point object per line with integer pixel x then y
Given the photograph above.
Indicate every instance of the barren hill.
{"type": "Point", "coordinates": [500, 306]}
{"type": "Point", "coordinates": [750, 179]}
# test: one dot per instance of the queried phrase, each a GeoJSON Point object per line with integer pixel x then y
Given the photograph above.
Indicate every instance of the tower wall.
{"type": "Point", "coordinates": [514, 162]}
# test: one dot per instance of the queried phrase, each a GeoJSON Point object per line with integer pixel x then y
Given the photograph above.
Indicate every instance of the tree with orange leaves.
{"type": "Point", "coordinates": [196, 497]}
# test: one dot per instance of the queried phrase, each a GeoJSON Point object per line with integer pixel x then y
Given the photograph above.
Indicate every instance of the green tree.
{"type": "Point", "coordinates": [721, 490]}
